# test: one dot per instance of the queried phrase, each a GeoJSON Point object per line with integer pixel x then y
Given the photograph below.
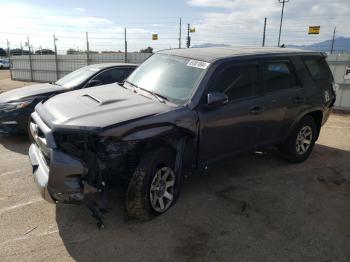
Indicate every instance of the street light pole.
{"type": "Point", "coordinates": [279, 35]}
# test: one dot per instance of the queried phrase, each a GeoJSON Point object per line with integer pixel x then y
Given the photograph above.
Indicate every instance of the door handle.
{"type": "Point", "coordinates": [298, 100]}
{"type": "Point", "coordinates": [257, 110]}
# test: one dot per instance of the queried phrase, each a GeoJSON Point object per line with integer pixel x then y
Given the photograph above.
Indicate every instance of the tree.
{"type": "Point", "coordinates": [3, 52]}
{"type": "Point", "coordinates": [44, 52]}
{"type": "Point", "coordinates": [72, 51]}
{"type": "Point", "coordinates": [18, 51]}
{"type": "Point", "coordinates": [147, 50]}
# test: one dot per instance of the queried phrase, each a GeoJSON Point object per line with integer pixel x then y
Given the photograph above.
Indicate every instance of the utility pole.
{"type": "Point", "coordinates": [126, 47]}
{"type": "Point", "coordinates": [263, 41]}
{"type": "Point", "coordinates": [188, 43]}
{"type": "Point", "coordinates": [279, 35]}
{"type": "Point", "coordinates": [180, 34]}
{"type": "Point", "coordinates": [8, 48]}
{"type": "Point", "coordinates": [87, 49]}
{"type": "Point", "coordinates": [21, 49]}
{"type": "Point", "coordinates": [30, 60]}
{"type": "Point", "coordinates": [56, 57]}
{"type": "Point", "coordinates": [335, 29]}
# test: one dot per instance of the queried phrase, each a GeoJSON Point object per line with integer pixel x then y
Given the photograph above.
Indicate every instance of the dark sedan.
{"type": "Point", "coordinates": [17, 105]}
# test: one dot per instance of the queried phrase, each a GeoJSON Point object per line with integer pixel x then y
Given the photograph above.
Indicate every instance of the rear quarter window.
{"type": "Point", "coordinates": [318, 68]}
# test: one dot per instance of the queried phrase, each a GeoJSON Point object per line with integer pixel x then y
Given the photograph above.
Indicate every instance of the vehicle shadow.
{"type": "Point", "coordinates": [16, 143]}
{"type": "Point", "coordinates": [246, 207]}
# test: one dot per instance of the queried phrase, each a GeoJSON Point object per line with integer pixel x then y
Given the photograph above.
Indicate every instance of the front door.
{"type": "Point", "coordinates": [236, 125]}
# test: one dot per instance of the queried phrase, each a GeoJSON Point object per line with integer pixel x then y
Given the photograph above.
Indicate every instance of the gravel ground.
{"type": "Point", "coordinates": [255, 207]}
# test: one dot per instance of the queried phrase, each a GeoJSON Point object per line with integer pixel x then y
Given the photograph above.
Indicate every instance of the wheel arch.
{"type": "Point", "coordinates": [316, 114]}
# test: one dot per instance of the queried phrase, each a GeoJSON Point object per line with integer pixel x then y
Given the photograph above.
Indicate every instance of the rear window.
{"type": "Point", "coordinates": [318, 68]}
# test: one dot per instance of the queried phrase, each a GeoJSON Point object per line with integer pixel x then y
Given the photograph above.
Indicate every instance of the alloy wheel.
{"type": "Point", "coordinates": [162, 189]}
{"type": "Point", "coordinates": [304, 140]}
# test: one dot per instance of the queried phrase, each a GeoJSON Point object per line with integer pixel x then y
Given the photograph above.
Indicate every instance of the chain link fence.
{"type": "Point", "coordinates": [47, 68]}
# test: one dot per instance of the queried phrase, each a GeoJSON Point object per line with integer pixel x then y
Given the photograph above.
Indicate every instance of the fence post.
{"type": "Point", "coordinates": [30, 60]}
{"type": "Point", "coordinates": [87, 49]}
{"type": "Point", "coordinates": [56, 58]}
{"type": "Point", "coordinates": [9, 55]}
{"type": "Point", "coordinates": [126, 47]}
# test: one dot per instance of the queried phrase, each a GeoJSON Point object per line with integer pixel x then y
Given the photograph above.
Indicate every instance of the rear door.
{"type": "Point", "coordinates": [283, 97]}
{"type": "Point", "coordinates": [234, 126]}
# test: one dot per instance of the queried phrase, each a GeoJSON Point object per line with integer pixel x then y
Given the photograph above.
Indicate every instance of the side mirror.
{"type": "Point", "coordinates": [216, 98]}
{"type": "Point", "coordinates": [94, 82]}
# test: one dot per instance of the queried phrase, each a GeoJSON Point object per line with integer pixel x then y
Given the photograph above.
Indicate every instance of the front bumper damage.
{"type": "Point", "coordinates": [57, 175]}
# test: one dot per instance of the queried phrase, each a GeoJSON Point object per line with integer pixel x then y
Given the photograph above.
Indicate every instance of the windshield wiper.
{"type": "Point", "coordinates": [160, 98]}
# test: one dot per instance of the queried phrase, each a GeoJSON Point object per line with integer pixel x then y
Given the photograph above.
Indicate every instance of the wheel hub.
{"type": "Point", "coordinates": [161, 188]}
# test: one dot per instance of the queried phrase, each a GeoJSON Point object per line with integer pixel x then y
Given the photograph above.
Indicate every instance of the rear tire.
{"type": "Point", "coordinates": [301, 141]}
{"type": "Point", "coordinates": [154, 186]}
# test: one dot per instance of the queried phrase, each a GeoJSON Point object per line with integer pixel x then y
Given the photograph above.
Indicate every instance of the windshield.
{"type": "Point", "coordinates": [77, 77]}
{"type": "Point", "coordinates": [172, 77]}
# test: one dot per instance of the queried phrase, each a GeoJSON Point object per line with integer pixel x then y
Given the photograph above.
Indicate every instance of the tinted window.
{"type": "Point", "coordinates": [278, 76]}
{"type": "Point", "coordinates": [317, 68]}
{"type": "Point", "coordinates": [113, 75]}
{"type": "Point", "coordinates": [236, 82]}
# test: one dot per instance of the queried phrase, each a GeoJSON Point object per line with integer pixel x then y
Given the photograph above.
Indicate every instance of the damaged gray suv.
{"type": "Point", "coordinates": [182, 109]}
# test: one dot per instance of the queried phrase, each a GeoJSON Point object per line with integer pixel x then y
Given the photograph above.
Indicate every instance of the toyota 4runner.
{"type": "Point", "coordinates": [181, 109]}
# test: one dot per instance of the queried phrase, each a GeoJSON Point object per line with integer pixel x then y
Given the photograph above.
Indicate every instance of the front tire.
{"type": "Point", "coordinates": [301, 141]}
{"type": "Point", "coordinates": [154, 186]}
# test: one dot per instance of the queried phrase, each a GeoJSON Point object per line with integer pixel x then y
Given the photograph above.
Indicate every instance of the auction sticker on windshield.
{"type": "Point", "coordinates": [198, 64]}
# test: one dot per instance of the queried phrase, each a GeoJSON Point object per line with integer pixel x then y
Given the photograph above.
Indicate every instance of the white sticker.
{"type": "Point", "coordinates": [347, 73]}
{"type": "Point", "coordinates": [198, 64]}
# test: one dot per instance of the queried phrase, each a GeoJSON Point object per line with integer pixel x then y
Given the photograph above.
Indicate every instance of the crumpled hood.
{"type": "Point", "coordinates": [29, 91]}
{"type": "Point", "coordinates": [99, 106]}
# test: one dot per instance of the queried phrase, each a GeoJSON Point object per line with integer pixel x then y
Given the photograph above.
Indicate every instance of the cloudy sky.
{"type": "Point", "coordinates": [235, 22]}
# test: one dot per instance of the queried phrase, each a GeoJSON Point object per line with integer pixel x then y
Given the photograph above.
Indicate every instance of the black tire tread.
{"type": "Point", "coordinates": [137, 202]}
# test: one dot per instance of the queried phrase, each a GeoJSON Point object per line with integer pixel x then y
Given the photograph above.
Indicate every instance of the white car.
{"type": "Point", "coordinates": [4, 64]}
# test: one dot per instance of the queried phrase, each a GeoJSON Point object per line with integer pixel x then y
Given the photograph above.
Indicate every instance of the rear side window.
{"type": "Point", "coordinates": [236, 82]}
{"type": "Point", "coordinates": [318, 68]}
{"type": "Point", "coordinates": [278, 76]}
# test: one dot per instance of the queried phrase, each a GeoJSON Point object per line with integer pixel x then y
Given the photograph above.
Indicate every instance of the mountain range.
{"type": "Point", "coordinates": [341, 44]}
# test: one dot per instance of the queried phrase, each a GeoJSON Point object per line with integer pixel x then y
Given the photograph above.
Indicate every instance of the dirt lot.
{"type": "Point", "coordinates": [7, 84]}
{"type": "Point", "coordinates": [255, 207]}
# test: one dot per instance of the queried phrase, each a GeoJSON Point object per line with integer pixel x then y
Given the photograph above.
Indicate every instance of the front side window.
{"type": "Point", "coordinates": [170, 76]}
{"type": "Point", "coordinates": [236, 81]}
{"type": "Point", "coordinates": [278, 76]}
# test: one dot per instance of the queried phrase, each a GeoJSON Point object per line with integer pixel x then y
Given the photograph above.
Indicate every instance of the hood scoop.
{"type": "Point", "coordinates": [100, 101]}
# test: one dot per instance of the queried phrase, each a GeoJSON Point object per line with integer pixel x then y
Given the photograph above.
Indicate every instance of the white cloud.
{"type": "Point", "coordinates": [80, 9]}
{"type": "Point", "coordinates": [240, 22]}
